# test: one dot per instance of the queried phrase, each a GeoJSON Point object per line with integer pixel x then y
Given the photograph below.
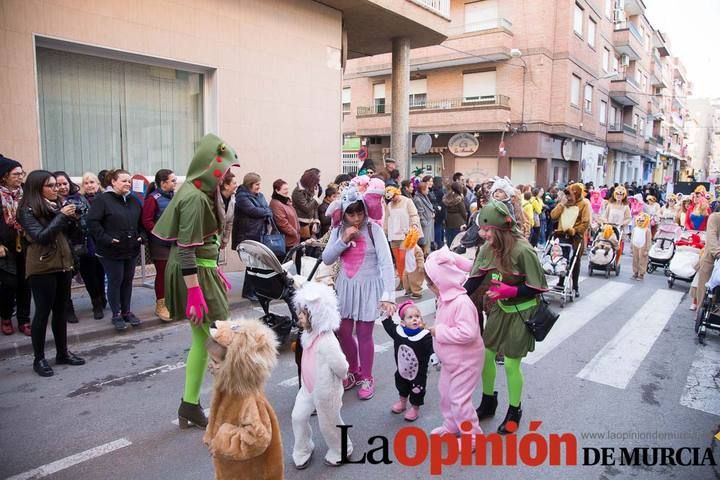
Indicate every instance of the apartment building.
{"type": "Point", "coordinates": [135, 84]}
{"type": "Point", "coordinates": [543, 91]}
{"type": "Point", "coordinates": [703, 129]}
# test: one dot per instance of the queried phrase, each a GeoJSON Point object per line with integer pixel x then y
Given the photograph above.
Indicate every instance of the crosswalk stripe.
{"type": "Point", "coordinates": [616, 363]}
{"type": "Point", "coordinates": [576, 316]}
{"type": "Point", "coordinates": [701, 388]}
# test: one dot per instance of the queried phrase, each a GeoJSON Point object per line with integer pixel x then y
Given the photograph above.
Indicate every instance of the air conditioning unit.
{"type": "Point", "coordinates": [625, 60]}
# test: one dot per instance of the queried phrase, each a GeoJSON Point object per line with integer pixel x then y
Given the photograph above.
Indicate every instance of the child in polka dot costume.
{"type": "Point", "coordinates": [413, 348]}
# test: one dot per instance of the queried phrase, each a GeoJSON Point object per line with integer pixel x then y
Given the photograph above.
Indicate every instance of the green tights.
{"type": "Point", "coordinates": [196, 363]}
{"type": "Point", "coordinates": [513, 373]}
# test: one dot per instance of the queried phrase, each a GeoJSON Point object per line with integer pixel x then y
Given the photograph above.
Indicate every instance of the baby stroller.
{"type": "Point", "coordinates": [273, 281]}
{"type": "Point", "coordinates": [604, 252]}
{"type": "Point", "coordinates": [663, 247]}
{"type": "Point", "coordinates": [686, 257]}
{"type": "Point", "coordinates": [564, 287]}
{"type": "Point", "coordinates": [708, 314]}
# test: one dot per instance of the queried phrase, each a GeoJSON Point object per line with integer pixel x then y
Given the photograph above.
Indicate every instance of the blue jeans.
{"type": "Point", "coordinates": [120, 274]}
{"type": "Point", "coordinates": [439, 234]}
{"type": "Point", "coordinates": [450, 234]}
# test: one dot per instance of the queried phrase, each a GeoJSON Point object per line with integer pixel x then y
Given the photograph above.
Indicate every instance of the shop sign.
{"type": "Point", "coordinates": [463, 144]}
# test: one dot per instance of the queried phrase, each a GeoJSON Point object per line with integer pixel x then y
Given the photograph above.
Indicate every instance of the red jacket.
{"type": "Point", "coordinates": [286, 220]}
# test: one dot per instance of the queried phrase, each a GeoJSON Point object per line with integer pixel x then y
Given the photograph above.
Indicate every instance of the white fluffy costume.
{"type": "Point", "coordinates": [243, 433]}
{"type": "Point", "coordinates": [323, 369]}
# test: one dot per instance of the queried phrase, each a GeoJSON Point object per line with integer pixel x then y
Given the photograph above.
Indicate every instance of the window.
{"type": "Point", "coordinates": [603, 112]}
{"type": "Point", "coordinates": [636, 121]}
{"type": "Point", "coordinates": [481, 15]}
{"type": "Point", "coordinates": [97, 113]}
{"type": "Point", "coordinates": [615, 63]}
{"type": "Point", "coordinates": [379, 97]}
{"type": "Point", "coordinates": [346, 100]}
{"type": "Point", "coordinates": [418, 93]}
{"type": "Point", "coordinates": [609, 8]}
{"type": "Point", "coordinates": [606, 60]}
{"type": "Point", "coordinates": [641, 125]}
{"type": "Point", "coordinates": [479, 87]}
{"type": "Point", "coordinates": [578, 20]}
{"type": "Point", "coordinates": [588, 98]}
{"type": "Point", "coordinates": [592, 26]}
{"type": "Point", "coordinates": [575, 91]}
{"type": "Point", "coordinates": [648, 46]}
{"type": "Point", "coordinates": [613, 118]}
{"type": "Point", "coordinates": [644, 82]}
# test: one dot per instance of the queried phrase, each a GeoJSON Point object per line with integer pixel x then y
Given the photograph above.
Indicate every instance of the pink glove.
{"type": "Point", "coordinates": [196, 301]}
{"type": "Point", "coordinates": [227, 283]}
{"type": "Point", "coordinates": [502, 290]}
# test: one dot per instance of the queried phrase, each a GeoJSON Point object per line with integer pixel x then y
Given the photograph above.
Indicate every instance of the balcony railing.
{"type": "Point", "coordinates": [444, 104]}
{"type": "Point", "coordinates": [629, 129]}
{"type": "Point", "coordinates": [440, 6]}
{"type": "Point", "coordinates": [490, 24]}
{"type": "Point", "coordinates": [633, 29]}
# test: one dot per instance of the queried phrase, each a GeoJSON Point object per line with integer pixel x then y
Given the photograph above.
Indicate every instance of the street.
{"type": "Point", "coordinates": [622, 360]}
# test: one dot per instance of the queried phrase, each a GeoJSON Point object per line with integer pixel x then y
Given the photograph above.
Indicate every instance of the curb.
{"type": "Point", "coordinates": [16, 349]}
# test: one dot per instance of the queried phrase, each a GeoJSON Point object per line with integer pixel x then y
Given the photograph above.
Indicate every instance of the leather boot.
{"type": "Point", "coordinates": [487, 407]}
{"type": "Point", "coordinates": [512, 420]}
{"type": "Point", "coordinates": [189, 414]}
{"type": "Point", "coordinates": [162, 311]}
{"type": "Point", "coordinates": [98, 310]}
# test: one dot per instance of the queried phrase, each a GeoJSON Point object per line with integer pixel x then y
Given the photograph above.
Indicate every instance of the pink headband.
{"type": "Point", "coordinates": [403, 306]}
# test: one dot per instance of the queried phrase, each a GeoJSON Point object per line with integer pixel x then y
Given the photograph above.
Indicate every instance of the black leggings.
{"type": "Point", "coordinates": [93, 275]}
{"type": "Point", "coordinates": [50, 291]}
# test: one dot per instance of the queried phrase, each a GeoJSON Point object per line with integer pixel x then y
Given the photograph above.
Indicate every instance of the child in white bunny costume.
{"type": "Point", "coordinates": [323, 369]}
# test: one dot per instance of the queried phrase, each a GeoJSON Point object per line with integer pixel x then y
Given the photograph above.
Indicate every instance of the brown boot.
{"type": "Point", "coordinates": [190, 414]}
{"type": "Point", "coordinates": [162, 311]}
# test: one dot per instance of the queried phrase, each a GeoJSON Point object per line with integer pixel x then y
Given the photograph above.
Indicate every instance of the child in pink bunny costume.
{"type": "Point", "coordinates": [456, 340]}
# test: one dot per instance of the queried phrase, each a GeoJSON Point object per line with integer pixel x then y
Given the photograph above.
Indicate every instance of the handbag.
{"type": "Point", "coordinates": [274, 239]}
{"type": "Point", "coordinates": [542, 320]}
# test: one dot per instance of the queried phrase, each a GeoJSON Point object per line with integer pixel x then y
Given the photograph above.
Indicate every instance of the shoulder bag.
{"type": "Point", "coordinates": [274, 239]}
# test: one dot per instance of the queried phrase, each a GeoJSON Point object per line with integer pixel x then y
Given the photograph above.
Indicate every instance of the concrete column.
{"type": "Point", "coordinates": [400, 138]}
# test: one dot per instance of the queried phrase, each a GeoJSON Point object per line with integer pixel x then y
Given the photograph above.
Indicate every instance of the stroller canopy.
{"type": "Point", "coordinates": [256, 255]}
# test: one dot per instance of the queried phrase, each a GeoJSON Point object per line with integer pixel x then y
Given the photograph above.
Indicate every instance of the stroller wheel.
{"type": "Point", "coordinates": [617, 270]}
{"type": "Point", "coordinates": [607, 273]}
{"type": "Point", "coordinates": [700, 318]}
{"type": "Point", "coordinates": [671, 282]}
{"type": "Point", "coordinates": [650, 268]}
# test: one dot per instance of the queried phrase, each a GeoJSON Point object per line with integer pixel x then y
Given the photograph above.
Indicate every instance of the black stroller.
{"type": "Point", "coordinates": [273, 281]}
{"type": "Point", "coordinates": [708, 313]}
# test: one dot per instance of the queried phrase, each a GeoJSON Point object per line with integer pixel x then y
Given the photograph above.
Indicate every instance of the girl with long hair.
{"type": "Point", "coordinates": [46, 224]}
{"type": "Point", "coordinates": [508, 266]}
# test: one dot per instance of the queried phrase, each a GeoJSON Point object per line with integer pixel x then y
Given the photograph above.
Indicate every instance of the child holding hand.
{"type": "Point", "coordinates": [413, 348]}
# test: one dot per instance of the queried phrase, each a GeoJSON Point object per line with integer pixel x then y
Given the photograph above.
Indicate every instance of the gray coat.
{"type": "Point", "coordinates": [426, 212]}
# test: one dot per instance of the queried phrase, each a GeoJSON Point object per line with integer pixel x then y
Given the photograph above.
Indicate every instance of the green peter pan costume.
{"type": "Point", "coordinates": [193, 222]}
{"type": "Point", "coordinates": [505, 331]}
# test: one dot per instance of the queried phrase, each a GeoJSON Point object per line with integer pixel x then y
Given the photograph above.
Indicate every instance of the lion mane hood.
{"type": "Point", "coordinates": [252, 353]}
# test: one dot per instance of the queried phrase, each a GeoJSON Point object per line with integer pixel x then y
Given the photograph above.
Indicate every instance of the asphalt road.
{"type": "Point", "coordinates": [623, 359]}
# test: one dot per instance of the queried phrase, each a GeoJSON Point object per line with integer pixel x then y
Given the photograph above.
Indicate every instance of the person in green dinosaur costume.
{"type": "Point", "coordinates": [195, 288]}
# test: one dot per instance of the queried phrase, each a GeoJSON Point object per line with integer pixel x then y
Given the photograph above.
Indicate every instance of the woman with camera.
{"type": "Point", "coordinates": [69, 194]}
{"type": "Point", "coordinates": [114, 223]}
{"type": "Point", "coordinates": [49, 264]}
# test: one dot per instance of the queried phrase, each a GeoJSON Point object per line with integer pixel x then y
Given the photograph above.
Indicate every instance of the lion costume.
{"type": "Point", "coordinates": [243, 434]}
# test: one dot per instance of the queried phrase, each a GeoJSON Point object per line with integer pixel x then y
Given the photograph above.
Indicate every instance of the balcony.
{"type": "Point", "coordinates": [627, 40]}
{"type": "Point", "coordinates": [484, 26]}
{"type": "Point", "coordinates": [624, 138]}
{"type": "Point", "coordinates": [634, 7]}
{"type": "Point", "coordinates": [438, 6]}
{"type": "Point", "coordinates": [452, 114]}
{"type": "Point", "coordinates": [625, 91]}
{"type": "Point", "coordinates": [656, 74]}
{"type": "Point", "coordinates": [650, 147]}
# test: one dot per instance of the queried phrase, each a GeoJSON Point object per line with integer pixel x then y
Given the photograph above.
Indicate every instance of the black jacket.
{"type": "Point", "coordinates": [113, 216]}
{"type": "Point", "coordinates": [252, 213]}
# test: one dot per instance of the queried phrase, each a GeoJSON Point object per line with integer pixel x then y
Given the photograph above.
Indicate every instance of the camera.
{"type": "Point", "coordinates": [80, 207]}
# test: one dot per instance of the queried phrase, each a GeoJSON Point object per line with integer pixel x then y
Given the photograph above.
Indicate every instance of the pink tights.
{"type": "Point", "coordinates": [364, 343]}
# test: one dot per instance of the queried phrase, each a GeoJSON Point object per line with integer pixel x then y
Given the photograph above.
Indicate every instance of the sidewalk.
{"type": "Point", "coordinates": [143, 305]}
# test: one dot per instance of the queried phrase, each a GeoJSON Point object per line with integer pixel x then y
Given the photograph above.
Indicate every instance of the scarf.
{"type": "Point", "coordinates": [281, 198]}
{"type": "Point", "coordinates": [10, 200]}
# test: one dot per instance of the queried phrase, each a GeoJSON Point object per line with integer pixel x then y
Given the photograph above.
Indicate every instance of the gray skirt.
{"type": "Point", "coordinates": [359, 297]}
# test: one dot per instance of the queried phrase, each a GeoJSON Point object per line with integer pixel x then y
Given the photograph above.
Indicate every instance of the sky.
{"type": "Point", "coordinates": [693, 27]}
